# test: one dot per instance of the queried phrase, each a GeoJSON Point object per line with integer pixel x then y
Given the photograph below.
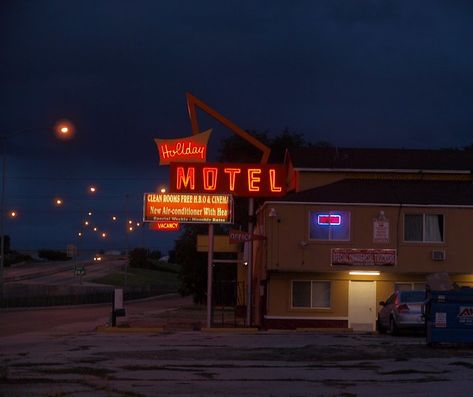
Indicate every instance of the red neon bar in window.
{"type": "Point", "coordinates": [329, 219]}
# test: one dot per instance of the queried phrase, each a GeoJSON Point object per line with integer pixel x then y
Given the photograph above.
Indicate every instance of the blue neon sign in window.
{"type": "Point", "coordinates": [329, 225]}
{"type": "Point", "coordinates": [329, 219]}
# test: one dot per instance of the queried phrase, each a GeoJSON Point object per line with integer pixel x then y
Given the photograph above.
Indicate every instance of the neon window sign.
{"type": "Point", "coordinates": [329, 219]}
{"type": "Point", "coordinates": [329, 225]}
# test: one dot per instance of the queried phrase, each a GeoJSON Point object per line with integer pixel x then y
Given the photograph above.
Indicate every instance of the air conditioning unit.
{"type": "Point", "coordinates": [438, 255]}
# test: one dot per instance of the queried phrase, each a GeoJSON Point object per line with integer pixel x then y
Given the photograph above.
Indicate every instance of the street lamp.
{"type": "Point", "coordinates": [64, 130]}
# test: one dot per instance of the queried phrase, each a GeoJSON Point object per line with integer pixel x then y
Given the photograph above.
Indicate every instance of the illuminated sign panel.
{"type": "Point", "coordinates": [363, 257]}
{"type": "Point", "coordinates": [188, 208]}
{"type": "Point", "coordinates": [165, 226]}
{"type": "Point", "coordinates": [329, 219]}
{"type": "Point", "coordinates": [189, 149]}
{"type": "Point", "coordinates": [245, 180]}
{"type": "Point", "coordinates": [329, 225]}
{"type": "Point", "coordinates": [240, 236]}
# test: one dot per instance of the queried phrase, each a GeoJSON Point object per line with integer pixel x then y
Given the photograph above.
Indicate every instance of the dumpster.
{"type": "Point", "coordinates": [449, 316]}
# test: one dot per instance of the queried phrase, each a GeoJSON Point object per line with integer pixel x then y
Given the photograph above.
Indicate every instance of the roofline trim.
{"type": "Point", "coordinates": [403, 171]}
{"type": "Point", "coordinates": [368, 204]}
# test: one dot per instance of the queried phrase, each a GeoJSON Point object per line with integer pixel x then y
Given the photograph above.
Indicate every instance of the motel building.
{"type": "Point", "coordinates": [355, 225]}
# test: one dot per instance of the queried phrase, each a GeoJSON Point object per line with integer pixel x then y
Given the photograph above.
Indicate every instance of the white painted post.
{"type": "Point", "coordinates": [250, 263]}
{"type": "Point", "coordinates": [210, 274]}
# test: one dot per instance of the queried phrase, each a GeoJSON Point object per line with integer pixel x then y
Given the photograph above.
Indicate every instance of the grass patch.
{"type": "Point", "coordinates": [141, 278]}
{"type": "Point", "coordinates": [165, 266]}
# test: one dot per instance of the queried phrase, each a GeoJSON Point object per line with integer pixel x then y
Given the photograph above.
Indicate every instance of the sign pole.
{"type": "Point", "coordinates": [210, 274]}
{"type": "Point", "coordinates": [250, 263]}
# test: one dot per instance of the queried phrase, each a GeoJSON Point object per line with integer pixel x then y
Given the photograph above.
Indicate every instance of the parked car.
{"type": "Point", "coordinates": [402, 311]}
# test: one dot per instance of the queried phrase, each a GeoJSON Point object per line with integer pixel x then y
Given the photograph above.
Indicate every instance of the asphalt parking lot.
{"type": "Point", "coordinates": [198, 363]}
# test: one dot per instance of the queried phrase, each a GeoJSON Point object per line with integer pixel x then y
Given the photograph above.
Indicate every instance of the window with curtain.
{"type": "Point", "coordinates": [301, 293]}
{"type": "Point", "coordinates": [423, 227]}
{"type": "Point", "coordinates": [321, 294]}
{"type": "Point", "coordinates": [311, 294]}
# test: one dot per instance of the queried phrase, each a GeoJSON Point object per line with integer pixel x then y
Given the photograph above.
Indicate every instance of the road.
{"type": "Point", "coordinates": [60, 273]}
{"type": "Point", "coordinates": [71, 362]}
{"type": "Point", "coordinates": [83, 318]}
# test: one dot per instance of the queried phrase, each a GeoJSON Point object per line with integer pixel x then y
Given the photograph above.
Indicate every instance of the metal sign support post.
{"type": "Point", "coordinates": [250, 263]}
{"type": "Point", "coordinates": [210, 274]}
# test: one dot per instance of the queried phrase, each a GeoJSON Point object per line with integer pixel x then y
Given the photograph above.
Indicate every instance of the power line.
{"type": "Point", "coordinates": [69, 178]}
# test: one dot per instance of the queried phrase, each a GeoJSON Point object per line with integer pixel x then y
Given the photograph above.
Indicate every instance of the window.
{"type": "Point", "coordinates": [329, 225]}
{"type": "Point", "coordinates": [423, 227]}
{"type": "Point", "coordinates": [409, 286]}
{"type": "Point", "coordinates": [311, 294]}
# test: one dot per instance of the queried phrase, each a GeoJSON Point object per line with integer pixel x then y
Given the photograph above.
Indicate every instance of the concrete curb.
{"type": "Point", "coordinates": [325, 330]}
{"type": "Point", "coordinates": [230, 330]}
{"type": "Point", "coordinates": [128, 330]}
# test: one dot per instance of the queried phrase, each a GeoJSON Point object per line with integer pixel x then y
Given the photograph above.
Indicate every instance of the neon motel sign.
{"type": "Point", "coordinates": [189, 149]}
{"type": "Point", "coordinates": [165, 226]}
{"type": "Point", "coordinates": [245, 180]}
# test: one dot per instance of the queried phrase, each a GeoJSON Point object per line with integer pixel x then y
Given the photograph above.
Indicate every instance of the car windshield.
{"type": "Point", "coordinates": [412, 296]}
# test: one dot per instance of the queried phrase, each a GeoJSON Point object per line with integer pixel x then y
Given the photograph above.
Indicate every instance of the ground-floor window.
{"type": "Point", "coordinates": [312, 294]}
{"type": "Point", "coordinates": [409, 286]}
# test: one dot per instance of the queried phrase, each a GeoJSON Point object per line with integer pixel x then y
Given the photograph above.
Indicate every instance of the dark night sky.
{"type": "Point", "coordinates": [355, 73]}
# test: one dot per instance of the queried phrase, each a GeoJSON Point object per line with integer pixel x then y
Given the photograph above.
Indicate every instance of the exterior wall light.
{"type": "Point", "coordinates": [364, 273]}
{"type": "Point", "coordinates": [273, 213]}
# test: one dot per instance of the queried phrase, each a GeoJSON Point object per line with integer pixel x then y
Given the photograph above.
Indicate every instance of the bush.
{"type": "Point", "coordinates": [52, 255]}
{"type": "Point", "coordinates": [15, 257]}
{"type": "Point", "coordinates": [154, 254]}
{"type": "Point", "coordinates": [139, 258]}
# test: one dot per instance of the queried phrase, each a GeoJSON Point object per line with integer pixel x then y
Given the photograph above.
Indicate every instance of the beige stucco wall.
{"type": "Point", "coordinates": [288, 254]}
{"type": "Point", "coordinates": [280, 290]}
{"type": "Point", "coordinates": [288, 247]}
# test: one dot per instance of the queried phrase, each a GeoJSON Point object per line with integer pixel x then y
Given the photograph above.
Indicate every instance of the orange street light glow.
{"type": "Point", "coordinates": [138, 224]}
{"type": "Point", "coordinates": [64, 129]}
{"type": "Point", "coordinates": [95, 229]}
{"type": "Point", "coordinates": [59, 201]}
{"type": "Point", "coordinates": [130, 222]}
{"type": "Point", "coordinates": [163, 190]}
{"type": "Point", "coordinates": [130, 228]}
{"type": "Point", "coordinates": [79, 234]}
{"type": "Point", "coordinates": [114, 218]}
{"type": "Point", "coordinates": [13, 214]}
{"type": "Point", "coordinates": [86, 223]}
{"type": "Point", "coordinates": [104, 235]}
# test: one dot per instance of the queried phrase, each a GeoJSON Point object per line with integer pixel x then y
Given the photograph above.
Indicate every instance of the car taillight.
{"type": "Point", "coordinates": [403, 308]}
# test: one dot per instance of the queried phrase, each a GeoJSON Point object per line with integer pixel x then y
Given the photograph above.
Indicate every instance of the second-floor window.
{"type": "Point", "coordinates": [424, 228]}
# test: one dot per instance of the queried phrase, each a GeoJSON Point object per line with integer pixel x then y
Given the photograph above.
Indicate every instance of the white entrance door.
{"type": "Point", "coordinates": [362, 305]}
